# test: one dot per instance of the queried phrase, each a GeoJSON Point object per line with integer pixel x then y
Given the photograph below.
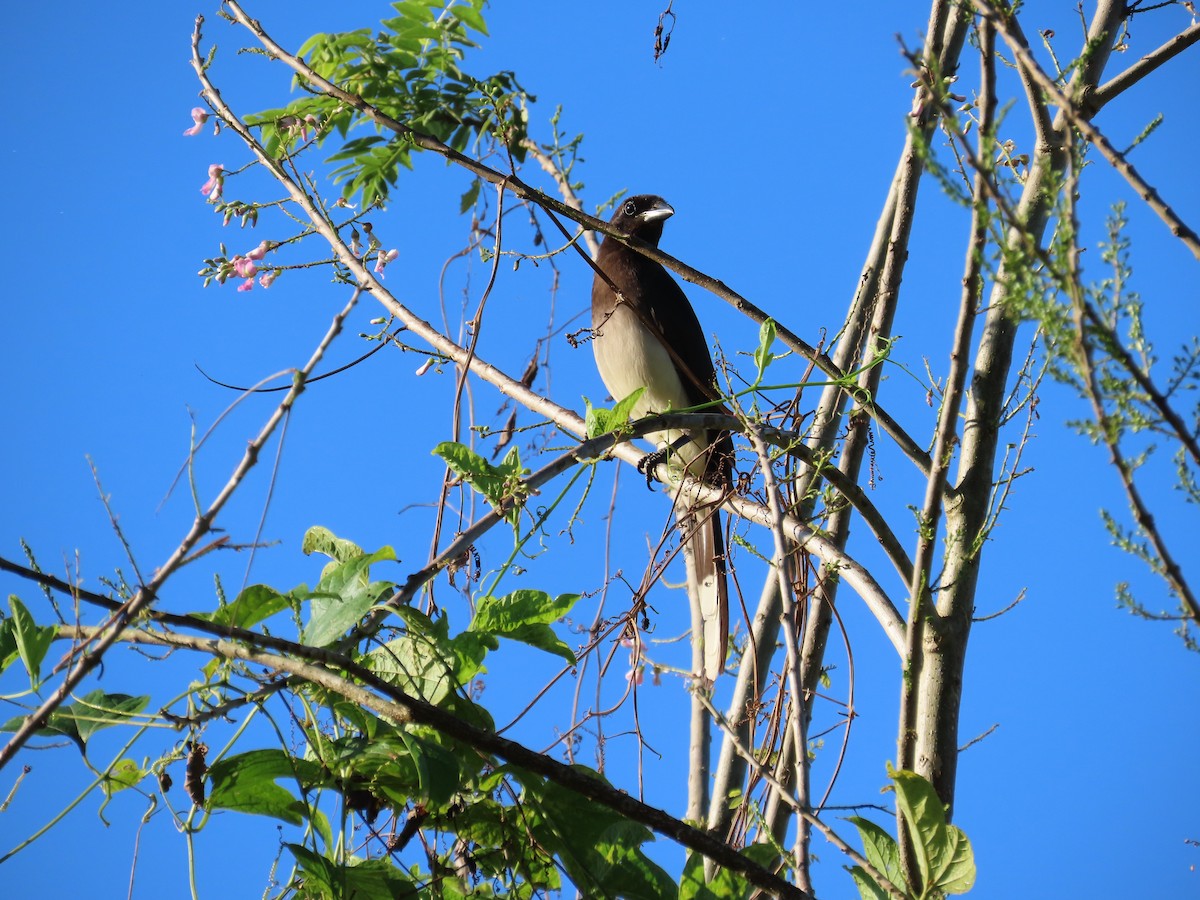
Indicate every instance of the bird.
{"type": "Point", "coordinates": [645, 334]}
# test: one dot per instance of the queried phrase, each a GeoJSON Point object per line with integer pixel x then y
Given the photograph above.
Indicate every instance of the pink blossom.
{"type": "Point", "coordinates": [382, 259]}
{"type": "Point", "coordinates": [244, 267]}
{"type": "Point", "coordinates": [310, 119]}
{"type": "Point", "coordinates": [199, 116]}
{"type": "Point", "coordinates": [636, 675]}
{"type": "Point", "coordinates": [425, 366]}
{"type": "Point", "coordinates": [258, 252]}
{"type": "Point", "coordinates": [266, 279]}
{"type": "Point", "coordinates": [247, 285]}
{"type": "Point", "coordinates": [215, 183]}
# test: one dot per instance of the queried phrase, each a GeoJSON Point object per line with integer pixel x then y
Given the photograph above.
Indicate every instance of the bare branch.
{"type": "Point", "coordinates": [1079, 120]}
{"type": "Point", "coordinates": [1143, 67]}
{"type": "Point", "coordinates": [564, 187]}
{"type": "Point", "coordinates": [108, 634]}
{"type": "Point", "coordinates": [782, 792]}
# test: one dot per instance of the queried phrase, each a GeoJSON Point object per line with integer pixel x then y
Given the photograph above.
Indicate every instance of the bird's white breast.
{"type": "Point", "coordinates": [630, 357]}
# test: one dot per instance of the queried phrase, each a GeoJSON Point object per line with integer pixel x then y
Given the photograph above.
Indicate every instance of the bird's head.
{"type": "Point", "coordinates": [642, 216]}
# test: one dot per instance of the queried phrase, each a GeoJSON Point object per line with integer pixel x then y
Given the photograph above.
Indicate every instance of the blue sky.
{"type": "Point", "coordinates": [774, 134]}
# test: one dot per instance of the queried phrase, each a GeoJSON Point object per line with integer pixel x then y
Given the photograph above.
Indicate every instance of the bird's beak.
{"type": "Point", "coordinates": [660, 210]}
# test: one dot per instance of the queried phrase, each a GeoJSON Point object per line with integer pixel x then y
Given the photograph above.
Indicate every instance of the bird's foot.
{"type": "Point", "coordinates": [648, 463]}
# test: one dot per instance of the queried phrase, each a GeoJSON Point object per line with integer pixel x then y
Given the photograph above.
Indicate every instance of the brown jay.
{"type": "Point", "coordinates": [646, 335]}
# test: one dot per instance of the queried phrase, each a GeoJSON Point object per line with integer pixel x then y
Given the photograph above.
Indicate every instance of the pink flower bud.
{"type": "Point", "coordinates": [266, 279]}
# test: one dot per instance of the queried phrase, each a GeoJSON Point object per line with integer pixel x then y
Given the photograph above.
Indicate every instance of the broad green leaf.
{"type": "Point", "coordinates": [437, 768]}
{"type": "Point", "coordinates": [470, 196]}
{"type": "Point", "coordinates": [954, 863]}
{"type": "Point", "coordinates": [124, 774]}
{"type": "Point", "coordinates": [944, 854]}
{"type": "Point", "coordinates": [344, 595]}
{"type": "Point", "coordinates": [525, 615]}
{"type": "Point", "coordinates": [80, 720]}
{"type": "Point", "coordinates": [417, 665]}
{"type": "Point", "coordinates": [472, 18]}
{"type": "Point", "coordinates": [246, 783]}
{"type": "Point", "coordinates": [251, 606]}
{"type": "Point", "coordinates": [99, 710]}
{"type": "Point", "coordinates": [32, 639]}
{"type": "Point", "coordinates": [500, 485]}
{"type": "Point", "coordinates": [8, 643]}
{"type": "Point", "coordinates": [599, 420]}
{"type": "Point", "coordinates": [725, 885]}
{"type": "Point", "coordinates": [867, 888]}
{"type": "Point", "coordinates": [323, 541]}
{"type": "Point", "coordinates": [373, 879]}
{"type": "Point", "coordinates": [881, 850]}
{"type": "Point", "coordinates": [469, 650]}
{"type": "Point", "coordinates": [600, 850]}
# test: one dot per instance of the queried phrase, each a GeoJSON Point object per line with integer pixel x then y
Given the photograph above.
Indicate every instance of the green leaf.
{"type": "Point", "coordinates": [867, 888]}
{"type": "Point", "coordinates": [8, 643]}
{"type": "Point", "coordinates": [725, 885]}
{"type": "Point", "coordinates": [344, 595]}
{"type": "Point", "coordinates": [468, 199]}
{"type": "Point", "coordinates": [599, 848]}
{"type": "Point", "coordinates": [420, 663]}
{"type": "Point", "coordinates": [944, 854]}
{"type": "Point", "coordinates": [437, 768]}
{"type": "Point", "coordinates": [124, 773]}
{"type": "Point", "coordinates": [525, 615]}
{"type": "Point", "coordinates": [763, 356]}
{"type": "Point", "coordinates": [246, 783]}
{"type": "Point", "coordinates": [372, 879]}
{"type": "Point", "coordinates": [255, 603]}
{"type": "Point", "coordinates": [323, 541]}
{"type": "Point", "coordinates": [500, 485]}
{"type": "Point", "coordinates": [472, 18]}
{"type": "Point", "coordinates": [881, 851]}
{"type": "Point", "coordinates": [32, 639]}
{"type": "Point", "coordinates": [80, 720]}
{"type": "Point", "coordinates": [601, 421]}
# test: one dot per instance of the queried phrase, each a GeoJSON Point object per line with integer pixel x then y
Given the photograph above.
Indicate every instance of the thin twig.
{"type": "Point", "coordinates": [107, 634]}
{"type": "Point", "coordinates": [782, 791]}
{"type": "Point", "coordinates": [1079, 120]}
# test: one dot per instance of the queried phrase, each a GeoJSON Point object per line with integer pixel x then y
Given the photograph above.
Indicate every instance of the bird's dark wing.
{"type": "Point", "coordinates": [667, 309]}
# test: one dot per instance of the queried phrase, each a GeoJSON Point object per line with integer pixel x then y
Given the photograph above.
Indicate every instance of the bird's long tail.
{"type": "Point", "coordinates": [704, 553]}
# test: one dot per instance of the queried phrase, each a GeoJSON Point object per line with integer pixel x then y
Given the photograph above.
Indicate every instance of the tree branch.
{"type": "Point", "coordinates": [1143, 67]}
{"type": "Point", "coordinates": [362, 686]}
{"type": "Point", "coordinates": [1076, 117]}
{"type": "Point", "coordinates": [108, 633]}
{"type": "Point", "coordinates": [525, 192]}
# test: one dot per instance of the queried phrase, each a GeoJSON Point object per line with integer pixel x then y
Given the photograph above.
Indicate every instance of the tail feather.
{"type": "Point", "coordinates": [708, 587]}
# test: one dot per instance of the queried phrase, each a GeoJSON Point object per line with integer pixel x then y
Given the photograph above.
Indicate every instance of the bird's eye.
{"type": "Point", "coordinates": [630, 209]}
